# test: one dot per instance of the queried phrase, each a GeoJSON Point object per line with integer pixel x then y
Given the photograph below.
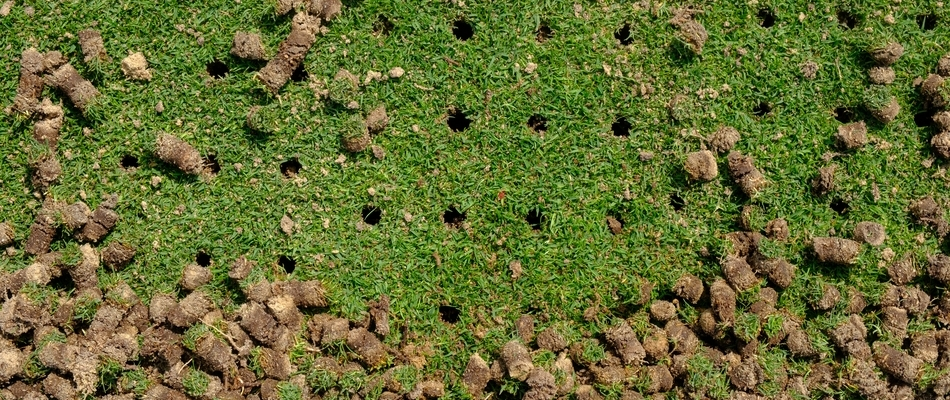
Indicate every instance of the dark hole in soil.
{"type": "Point", "coordinates": [212, 164]}
{"type": "Point", "coordinates": [217, 69]}
{"type": "Point", "coordinates": [767, 18]}
{"type": "Point", "coordinates": [372, 215]}
{"type": "Point", "coordinates": [844, 115]}
{"type": "Point", "coordinates": [847, 19]}
{"type": "Point", "coordinates": [544, 33]}
{"type": "Point", "coordinates": [129, 161]}
{"type": "Point", "coordinates": [621, 127]}
{"type": "Point", "coordinates": [677, 202]}
{"type": "Point", "coordinates": [449, 314]}
{"type": "Point", "coordinates": [453, 217]}
{"type": "Point", "coordinates": [300, 74]}
{"type": "Point", "coordinates": [287, 263]}
{"type": "Point", "coordinates": [458, 121]}
{"type": "Point", "coordinates": [839, 206]}
{"type": "Point", "coordinates": [623, 35]}
{"type": "Point", "coordinates": [462, 30]}
{"type": "Point", "coordinates": [924, 119]}
{"type": "Point", "coordinates": [927, 22]}
{"type": "Point", "coordinates": [383, 25]}
{"type": "Point", "coordinates": [290, 168]}
{"type": "Point", "coordinates": [762, 109]}
{"type": "Point", "coordinates": [538, 123]}
{"type": "Point", "coordinates": [535, 218]}
{"type": "Point", "coordinates": [203, 259]}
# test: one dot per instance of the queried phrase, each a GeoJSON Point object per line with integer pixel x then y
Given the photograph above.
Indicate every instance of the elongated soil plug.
{"type": "Point", "coordinates": [836, 250]}
{"type": "Point", "coordinates": [689, 287]}
{"type": "Point", "coordinates": [179, 153]}
{"type": "Point", "coordinates": [326, 9]}
{"type": "Point", "coordinates": [882, 105]}
{"type": "Point", "coordinates": [135, 67]}
{"type": "Point", "coordinates": [927, 212]}
{"type": "Point", "coordinates": [80, 91]}
{"type": "Point", "coordinates": [745, 174]}
{"type": "Point", "coordinates": [724, 139]}
{"type": "Point", "coordinates": [825, 181]}
{"type": "Point", "coordinates": [101, 222]}
{"type": "Point", "coordinates": [31, 84]}
{"type": "Point", "coordinates": [941, 144]}
{"type": "Point", "coordinates": [691, 32]}
{"type": "Point", "coordinates": [46, 171]}
{"type": "Point", "coordinates": [887, 54]}
{"type": "Point", "coordinates": [93, 47]}
{"type": "Point", "coordinates": [290, 53]}
{"type": "Point", "coordinates": [476, 375]}
{"type": "Point", "coordinates": [248, 46]}
{"type": "Point", "coordinates": [49, 122]}
{"type": "Point", "coordinates": [701, 166]}
{"type": "Point", "coordinates": [625, 343]}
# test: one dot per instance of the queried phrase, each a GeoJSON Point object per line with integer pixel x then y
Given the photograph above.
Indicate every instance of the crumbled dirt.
{"type": "Point", "coordinates": [625, 344]}
{"type": "Point", "coordinates": [777, 229]}
{"type": "Point", "coordinates": [799, 344]}
{"type": "Point", "coordinates": [690, 31]}
{"type": "Point", "coordinates": [282, 307]}
{"type": "Point", "coordinates": [190, 310]}
{"type": "Point", "coordinates": [724, 139]}
{"type": "Point", "coordinates": [241, 268]}
{"type": "Point", "coordinates": [58, 387]}
{"type": "Point", "coordinates": [942, 121]}
{"type": "Point", "coordinates": [888, 113]}
{"type": "Point", "coordinates": [550, 339]}
{"type": "Point", "coordinates": [836, 250]}
{"type": "Point", "coordinates": [662, 311]}
{"type": "Point", "coordinates": [895, 321]}
{"type": "Point", "coordinates": [902, 271]}
{"type": "Point", "coordinates": [93, 47]}
{"type": "Point", "coordinates": [689, 287]}
{"type": "Point", "coordinates": [100, 223]}
{"type": "Point", "coordinates": [809, 70]}
{"type": "Point", "coordinates": [6, 234]}
{"type": "Point", "coordinates": [328, 10]}
{"type": "Point", "coordinates": [824, 183]}
{"type": "Point", "coordinates": [476, 375]}
{"type": "Point", "coordinates": [939, 268]}
{"type": "Point", "coordinates": [135, 67]}
{"type": "Point", "coordinates": [377, 120]}
{"type": "Point", "coordinates": [738, 272]}
{"type": "Point", "coordinates": [923, 346]}
{"type": "Point", "coordinates": [932, 90]}
{"type": "Point", "coordinates": [80, 91]}
{"type": "Point", "coordinates": [371, 351]}
{"type": "Point", "coordinates": [850, 337]}
{"type": "Point", "coordinates": [357, 137]}
{"type": "Point", "coordinates": [524, 325]}
{"type": "Point", "coordinates": [746, 375]}
{"type": "Point", "coordinates": [615, 226]}
{"type": "Point", "coordinates": [290, 53]}
{"type": "Point", "coordinates": [888, 54]}
{"type": "Point", "coordinates": [856, 302]}
{"type": "Point", "coordinates": [49, 121]}
{"type": "Point", "coordinates": [379, 316]}
{"type": "Point", "coordinates": [660, 379]}
{"type": "Point", "coordinates": [745, 174]}
{"type": "Point", "coordinates": [723, 300]}
{"type": "Point", "coordinates": [896, 363]}
{"type": "Point", "coordinates": [46, 171]}
{"type": "Point", "coordinates": [871, 233]}
{"type": "Point", "coordinates": [927, 212]}
{"type": "Point", "coordinates": [194, 276]}
{"type": "Point", "coordinates": [701, 166]}
{"type": "Point", "coordinates": [517, 360]}
{"type": "Point", "coordinates": [41, 235]}
{"type": "Point", "coordinates": [852, 136]}
{"type": "Point", "coordinates": [881, 75]}
{"type": "Point", "coordinates": [867, 381]}
{"type": "Point", "coordinates": [306, 294]}
{"type": "Point", "coordinates": [541, 385]}
{"type": "Point", "coordinates": [943, 66]}
{"type": "Point", "coordinates": [30, 87]}
{"type": "Point", "coordinates": [179, 153]}
{"type": "Point", "coordinates": [248, 46]}
{"type": "Point", "coordinates": [117, 255]}
{"type": "Point", "coordinates": [829, 298]}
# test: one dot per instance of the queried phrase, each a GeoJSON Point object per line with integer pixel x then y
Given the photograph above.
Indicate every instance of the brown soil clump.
{"type": "Point", "coordinates": [924, 346]}
{"type": "Point", "coordinates": [799, 344]}
{"type": "Point", "coordinates": [871, 233]}
{"type": "Point", "coordinates": [328, 10]}
{"type": "Point", "coordinates": [809, 70]}
{"type": "Point", "coordinates": [942, 120]}
{"type": "Point", "coordinates": [745, 174]}
{"type": "Point", "coordinates": [881, 75]}
{"type": "Point", "coordinates": [689, 287]}
{"type": "Point", "coordinates": [933, 92]}
{"type": "Point", "coordinates": [829, 298]}
{"type": "Point", "coordinates": [356, 138]}
{"type": "Point", "coordinates": [31, 84]}
{"type": "Point", "coordinates": [41, 236]}
{"type": "Point", "coordinates": [897, 364]}
{"type": "Point", "coordinates": [550, 340]}
{"type": "Point", "coordinates": [683, 339]}
{"type": "Point", "coordinates": [902, 271]}
{"type": "Point", "coordinates": [93, 47]}
{"type": "Point", "coordinates": [379, 316]}
{"type": "Point", "coordinates": [939, 268]}
{"type": "Point", "coordinates": [836, 250]}
{"type": "Point", "coordinates": [6, 234]}
{"type": "Point", "coordinates": [179, 153]}
{"type": "Point", "coordinates": [824, 183]}
{"type": "Point", "coordinates": [927, 212]}
{"type": "Point", "coordinates": [290, 53]}
{"type": "Point", "coordinates": [58, 387]}
{"type": "Point", "coordinates": [75, 216]}
{"type": "Point", "coordinates": [943, 66]}
{"type": "Point", "coordinates": [690, 31]}
{"type": "Point", "coordinates": [852, 136]}
{"type": "Point", "coordinates": [895, 321]}
{"type": "Point", "coordinates": [194, 276]}
{"type": "Point", "coordinates": [662, 311]}
{"type": "Point", "coordinates": [305, 293]}
{"type": "Point", "coordinates": [738, 272]}
{"type": "Point", "coordinates": [524, 325]}
{"type": "Point", "coordinates": [377, 120]}
{"type": "Point", "coordinates": [625, 344]}
{"type": "Point", "coordinates": [723, 300]}
{"type": "Point", "coordinates": [241, 268]}
{"type": "Point", "coordinates": [541, 385]}
{"type": "Point", "coordinates": [135, 67]}
{"type": "Point", "coordinates": [476, 375]}
{"type": "Point", "coordinates": [850, 337]}
{"type": "Point", "coordinates": [248, 46]}
{"type": "Point", "coordinates": [46, 171]}
{"type": "Point", "coordinates": [49, 122]}
{"type": "Point", "coordinates": [517, 359]}
{"type": "Point", "coordinates": [701, 166]}
{"type": "Point", "coordinates": [747, 375]}
{"type": "Point", "coordinates": [777, 229]}
{"type": "Point", "coordinates": [190, 310]}
{"type": "Point", "coordinates": [117, 255]}
{"type": "Point", "coordinates": [371, 351]}
{"type": "Point", "coordinates": [101, 222]}
{"type": "Point", "coordinates": [724, 139]}
{"type": "Point", "coordinates": [80, 91]}
{"type": "Point", "coordinates": [888, 113]}
{"type": "Point", "coordinates": [615, 226]}
{"type": "Point", "coordinates": [941, 144]}
{"type": "Point", "coordinates": [888, 54]}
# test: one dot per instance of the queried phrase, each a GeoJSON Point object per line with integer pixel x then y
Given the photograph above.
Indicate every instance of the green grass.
{"type": "Point", "coordinates": [497, 170]}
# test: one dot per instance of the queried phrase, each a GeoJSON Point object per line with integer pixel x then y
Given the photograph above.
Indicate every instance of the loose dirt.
{"type": "Point", "coordinates": [852, 136]}
{"type": "Point", "coordinates": [745, 174]}
{"type": "Point", "coordinates": [31, 84]}
{"type": "Point", "coordinates": [46, 171]}
{"type": "Point", "coordinates": [887, 55]}
{"type": "Point", "coordinates": [724, 139]}
{"type": "Point", "coordinates": [248, 46]}
{"type": "Point", "coordinates": [689, 287]}
{"type": "Point", "coordinates": [691, 31]}
{"type": "Point", "coordinates": [49, 118]}
{"type": "Point", "coordinates": [135, 67]}
{"type": "Point", "coordinates": [881, 75]}
{"type": "Point", "coordinates": [836, 250]}
{"type": "Point", "coordinates": [869, 232]}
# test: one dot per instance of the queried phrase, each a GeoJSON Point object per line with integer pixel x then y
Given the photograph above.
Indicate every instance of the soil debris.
{"type": "Point", "coordinates": [829, 298]}
{"type": "Point", "coordinates": [723, 301]}
{"type": "Point", "coordinates": [689, 287]}
{"type": "Point", "coordinates": [80, 91]}
{"type": "Point", "coordinates": [897, 364]}
{"type": "Point", "coordinates": [517, 360]}
{"type": "Point", "coordinates": [290, 53]}
{"type": "Point", "coordinates": [851, 336]}
{"type": "Point", "coordinates": [30, 87]}
{"type": "Point", "coordinates": [887, 113]}
{"type": "Point", "coordinates": [777, 229]}
{"type": "Point", "coordinates": [887, 55]}
{"type": "Point", "coordinates": [328, 10]}
{"type": "Point", "coordinates": [701, 166]}
{"type": "Point", "coordinates": [902, 271]}
{"type": "Point", "coordinates": [116, 256]}
{"type": "Point", "coordinates": [836, 250]}
{"type": "Point", "coordinates": [852, 136]}
{"type": "Point", "coordinates": [871, 233]}
{"type": "Point", "coordinates": [93, 47]}
{"type": "Point", "coordinates": [927, 212]}
{"type": "Point", "coordinates": [550, 339]}
{"type": "Point", "coordinates": [738, 272]}
{"type": "Point", "coordinates": [745, 174]}
{"type": "Point", "coordinates": [933, 91]}
{"type": "Point", "coordinates": [691, 32]}
{"type": "Point", "coordinates": [881, 75]}
{"type": "Point", "coordinates": [135, 67]}
{"type": "Point", "coordinates": [100, 223]}
{"type": "Point", "coordinates": [46, 171]}
{"type": "Point", "coordinates": [625, 344]}
{"type": "Point", "coordinates": [49, 118]}
{"type": "Point", "coordinates": [809, 70]}
{"type": "Point", "coordinates": [179, 153]}
{"type": "Point", "coordinates": [41, 235]}
{"type": "Point", "coordinates": [194, 276]}
{"type": "Point", "coordinates": [724, 139]}
{"type": "Point", "coordinates": [377, 120]}
{"type": "Point", "coordinates": [248, 46]}
{"type": "Point", "coordinates": [6, 234]}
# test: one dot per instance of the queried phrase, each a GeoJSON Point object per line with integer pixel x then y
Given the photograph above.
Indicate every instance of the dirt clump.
{"type": "Point", "coordinates": [799, 344]}
{"type": "Point", "coordinates": [723, 300]}
{"type": "Point", "coordinates": [46, 171]}
{"type": "Point", "coordinates": [809, 70]}
{"type": "Point", "coordinates": [871, 233]}
{"type": "Point", "coordinates": [290, 53]}
{"type": "Point", "coordinates": [689, 287]}
{"type": "Point", "coordinates": [691, 31]}
{"type": "Point", "coordinates": [6, 234]}
{"type": "Point", "coordinates": [933, 91]}
{"type": "Point", "coordinates": [241, 268]}
{"type": "Point", "coordinates": [942, 121]}
{"type": "Point", "coordinates": [701, 166]}
{"type": "Point", "coordinates": [524, 325]}
{"type": "Point", "coordinates": [625, 344]}
{"type": "Point", "coordinates": [924, 346]}
{"type": "Point", "coordinates": [49, 121]}
{"type": "Point", "coordinates": [927, 212]}
{"type": "Point", "coordinates": [886, 113]}
{"type": "Point", "coordinates": [476, 375]}
{"type": "Point", "coordinates": [517, 360]}
{"type": "Point", "coordinates": [852, 136]}
{"type": "Point", "coordinates": [344, 88]}
{"type": "Point", "coordinates": [879, 75]}
{"type": "Point", "coordinates": [746, 375]}
{"type": "Point", "coordinates": [135, 67]}
{"type": "Point", "coordinates": [939, 268]}
{"type": "Point", "coordinates": [550, 339]}
{"type": "Point", "coordinates": [828, 299]}
{"type": "Point", "coordinates": [379, 316]}
{"type": "Point", "coordinates": [377, 120]}
{"type": "Point", "coordinates": [662, 311]}
{"type": "Point", "coordinates": [117, 255]}
{"type": "Point", "coordinates": [328, 10]}
{"type": "Point", "coordinates": [30, 87]}
{"type": "Point", "coordinates": [100, 222]}
{"type": "Point", "coordinates": [41, 235]}
{"type": "Point", "coordinates": [371, 350]}
{"type": "Point", "coordinates": [179, 153]}
{"type": "Point", "coordinates": [541, 385]}
{"type": "Point", "coordinates": [745, 174]}
{"type": "Point", "coordinates": [194, 276]}
{"type": "Point", "coordinates": [895, 321]}
{"type": "Point", "coordinates": [683, 339]}
{"type": "Point", "coordinates": [190, 310]}
{"type": "Point", "coordinates": [897, 364]}
{"type": "Point", "coordinates": [888, 54]}
{"type": "Point", "coordinates": [93, 47]}
{"type": "Point", "coordinates": [615, 226]}
{"type": "Point", "coordinates": [902, 271]}
{"type": "Point", "coordinates": [943, 66]}
{"type": "Point", "coordinates": [851, 336]}
{"type": "Point", "coordinates": [80, 91]}
{"type": "Point", "coordinates": [738, 272]}
{"type": "Point", "coordinates": [724, 139]}
{"type": "Point", "coordinates": [824, 183]}
{"type": "Point", "coordinates": [305, 293]}
{"type": "Point", "coordinates": [355, 136]}
{"type": "Point", "coordinates": [58, 387]}
{"type": "Point", "coordinates": [836, 250]}
{"type": "Point", "coordinates": [248, 46]}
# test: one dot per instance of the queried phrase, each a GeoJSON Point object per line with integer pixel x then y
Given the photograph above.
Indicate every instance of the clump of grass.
{"type": "Point", "coordinates": [877, 97]}
{"type": "Point", "coordinates": [195, 382]}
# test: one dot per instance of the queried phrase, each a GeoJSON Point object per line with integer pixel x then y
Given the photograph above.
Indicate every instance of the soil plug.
{"type": "Point", "coordinates": [290, 53]}
{"type": "Point", "coordinates": [625, 343]}
{"type": "Point", "coordinates": [881, 103]}
{"type": "Point", "coordinates": [836, 250]}
{"type": "Point", "coordinates": [881, 75]}
{"type": "Point", "coordinates": [723, 300]}
{"type": "Point", "coordinates": [476, 375]}
{"type": "Point", "coordinates": [852, 136]}
{"type": "Point", "coordinates": [194, 276]}
{"type": "Point", "coordinates": [887, 54]}
{"type": "Point", "coordinates": [49, 122]}
{"type": "Point", "coordinates": [517, 359]}
{"type": "Point", "coordinates": [241, 268]}
{"type": "Point", "coordinates": [926, 212]}
{"type": "Point", "coordinates": [93, 47]}
{"type": "Point", "coordinates": [46, 171]}
{"type": "Point", "coordinates": [344, 89]}
{"type": "Point", "coordinates": [101, 222]}
{"type": "Point", "coordinates": [248, 46]}
{"type": "Point", "coordinates": [6, 234]}
{"type": "Point", "coordinates": [326, 9]}
{"type": "Point", "coordinates": [934, 92]}
{"type": "Point", "coordinates": [745, 174]}
{"type": "Point", "coordinates": [117, 255]}
{"type": "Point", "coordinates": [41, 234]}
{"type": "Point", "coordinates": [689, 287]}
{"type": "Point", "coordinates": [371, 351]}
{"type": "Point", "coordinates": [542, 385]}
{"type": "Point", "coordinates": [30, 87]}
{"type": "Point", "coordinates": [824, 183]}
{"type": "Point", "coordinates": [691, 32]}
{"type": "Point", "coordinates": [379, 315]}
{"type": "Point", "coordinates": [75, 216]}
{"type": "Point", "coordinates": [355, 137]}
{"type": "Point", "coordinates": [135, 67]}
{"type": "Point", "coordinates": [897, 364]}
{"type": "Point", "coordinates": [377, 120]}
{"type": "Point", "coordinates": [80, 91]}
{"type": "Point", "coordinates": [701, 166]}
{"type": "Point", "coordinates": [724, 139]}
{"type": "Point", "coordinates": [179, 153]}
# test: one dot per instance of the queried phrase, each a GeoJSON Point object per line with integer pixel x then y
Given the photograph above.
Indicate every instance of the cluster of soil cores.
{"type": "Point", "coordinates": [291, 52]}
{"type": "Point", "coordinates": [135, 67]}
{"type": "Point", "coordinates": [691, 32]}
{"type": "Point", "coordinates": [179, 153]}
{"type": "Point", "coordinates": [934, 92]}
{"type": "Point", "coordinates": [744, 173]}
{"type": "Point", "coordinates": [248, 46]}
{"type": "Point", "coordinates": [701, 166]}
{"type": "Point", "coordinates": [882, 73]}
{"type": "Point", "coordinates": [724, 139]}
{"type": "Point", "coordinates": [80, 91]}
{"type": "Point", "coordinates": [31, 84]}
{"type": "Point", "coordinates": [93, 47]}
{"type": "Point", "coordinates": [852, 136]}
{"type": "Point", "coordinates": [49, 121]}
